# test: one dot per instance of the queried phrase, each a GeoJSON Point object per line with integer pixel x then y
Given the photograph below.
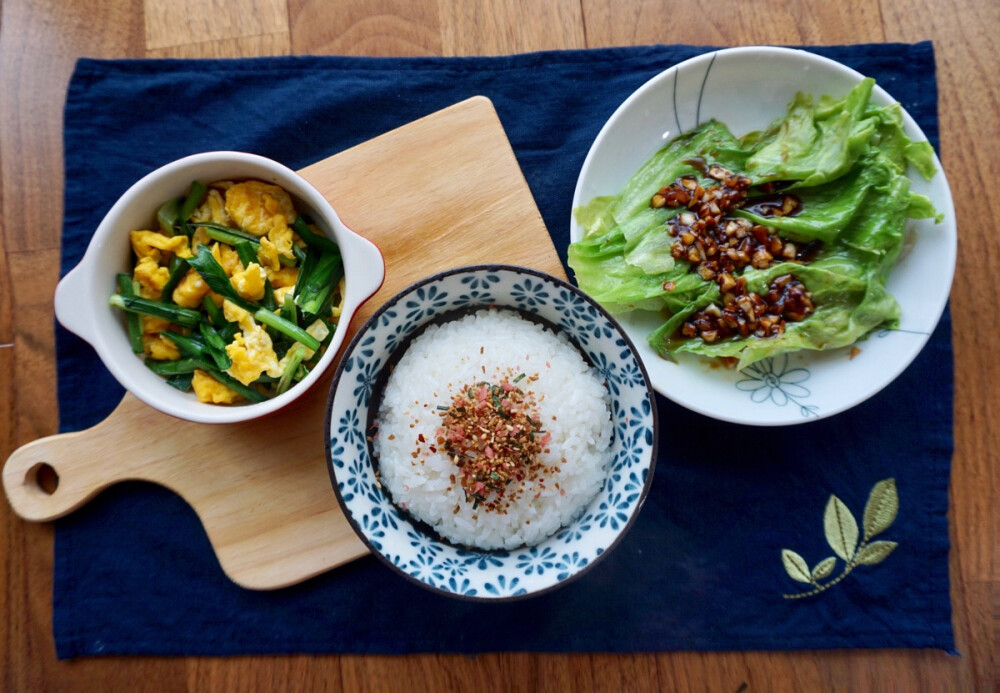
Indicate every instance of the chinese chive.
{"type": "Point", "coordinates": [314, 239]}
{"type": "Point", "coordinates": [213, 311]}
{"type": "Point", "coordinates": [286, 328]}
{"type": "Point", "coordinates": [178, 268]}
{"type": "Point", "coordinates": [195, 194]}
{"type": "Point", "coordinates": [295, 356]}
{"type": "Point", "coordinates": [236, 386]}
{"type": "Point", "coordinates": [132, 321]}
{"type": "Point", "coordinates": [175, 314]}
{"type": "Point", "coordinates": [246, 251]}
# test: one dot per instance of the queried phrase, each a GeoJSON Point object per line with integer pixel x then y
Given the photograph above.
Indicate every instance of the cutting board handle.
{"type": "Point", "coordinates": [45, 479]}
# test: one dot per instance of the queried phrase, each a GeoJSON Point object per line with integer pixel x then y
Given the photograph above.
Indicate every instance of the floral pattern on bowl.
{"type": "Point", "coordinates": [476, 574]}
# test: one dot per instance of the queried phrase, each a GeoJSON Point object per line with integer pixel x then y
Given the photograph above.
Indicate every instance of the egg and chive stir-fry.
{"type": "Point", "coordinates": [235, 296]}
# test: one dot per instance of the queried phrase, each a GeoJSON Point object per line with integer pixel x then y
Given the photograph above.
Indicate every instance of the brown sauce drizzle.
{"type": "Point", "coordinates": [719, 244]}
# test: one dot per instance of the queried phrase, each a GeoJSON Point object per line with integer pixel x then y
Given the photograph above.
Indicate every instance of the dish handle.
{"type": "Point", "coordinates": [366, 254]}
{"type": "Point", "coordinates": [71, 307]}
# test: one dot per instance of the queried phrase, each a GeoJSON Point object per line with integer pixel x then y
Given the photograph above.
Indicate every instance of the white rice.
{"type": "Point", "coordinates": [571, 400]}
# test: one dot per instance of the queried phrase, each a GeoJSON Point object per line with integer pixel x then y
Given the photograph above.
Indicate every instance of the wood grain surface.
{"type": "Point", "coordinates": [266, 505]}
{"type": "Point", "coordinates": [39, 41]}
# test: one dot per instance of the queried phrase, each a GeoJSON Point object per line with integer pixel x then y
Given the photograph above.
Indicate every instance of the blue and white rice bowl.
{"type": "Point", "coordinates": [408, 545]}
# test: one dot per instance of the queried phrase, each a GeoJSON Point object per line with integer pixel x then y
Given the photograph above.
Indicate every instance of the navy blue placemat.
{"type": "Point", "coordinates": [702, 567]}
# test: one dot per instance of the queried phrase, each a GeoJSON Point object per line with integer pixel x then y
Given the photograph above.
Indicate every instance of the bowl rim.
{"type": "Point", "coordinates": [83, 275]}
{"type": "Point", "coordinates": [653, 448]}
{"type": "Point", "coordinates": [895, 367]}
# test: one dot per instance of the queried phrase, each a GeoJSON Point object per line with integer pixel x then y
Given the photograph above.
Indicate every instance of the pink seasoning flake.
{"type": "Point", "coordinates": [488, 452]}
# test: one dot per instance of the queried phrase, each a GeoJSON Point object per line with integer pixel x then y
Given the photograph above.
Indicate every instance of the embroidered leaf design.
{"type": "Point", "coordinates": [876, 552]}
{"type": "Point", "coordinates": [841, 528]}
{"type": "Point", "coordinates": [824, 568]}
{"type": "Point", "coordinates": [881, 508]}
{"type": "Point", "coordinates": [841, 531]}
{"type": "Point", "coordinates": [795, 565]}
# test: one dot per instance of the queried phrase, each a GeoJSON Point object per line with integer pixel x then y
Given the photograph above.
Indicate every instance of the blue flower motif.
{"type": "Point", "coordinates": [537, 560]}
{"type": "Point", "coordinates": [373, 529]}
{"type": "Point", "coordinates": [386, 516]}
{"type": "Point", "coordinates": [607, 369]}
{"type": "Point", "coordinates": [576, 531]}
{"type": "Point", "coordinates": [772, 380]}
{"type": "Point", "coordinates": [464, 587]}
{"type": "Point", "coordinates": [612, 511]}
{"type": "Point", "coordinates": [349, 484]}
{"type": "Point", "coordinates": [349, 427]}
{"type": "Point", "coordinates": [393, 339]}
{"type": "Point", "coordinates": [428, 300]}
{"type": "Point", "coordinates": [571, 309]}
{"type": "Point", "coordinates": [482, 561]}
{"type": "Point", "coordinates": [504, 586]}
{"type": "Point", "coordinates": [453, 566]}
{"type": "Point", "coordinates": [629, 374]}
{"type": "Point", "coordinates": [475, 297]}
{"type": "Point", "coordinates": [423, 543]}
{"type": "Point", "coordinates": [375, 496]}
{"type": "Point", "coordinates": [570, 563]}
{"type": "Point", "coordinates": [595, 323]}
{"type": "Point", "coordinates": [531, 294]}
{"type": "Point", "coordinates": [480, 281]}
{"type": "Point", "coordinates": [634, 482]}
{"type": "Point", "coordinates": [364, 348]}
{"type": "Point", "coordinates": [387, 317]}
{"type": "Point", "coordinates": [337, 453]}
{"type": "Point", "coordinates": [424, 569]}
{"type": "Point", "coordinates": [365, 381]}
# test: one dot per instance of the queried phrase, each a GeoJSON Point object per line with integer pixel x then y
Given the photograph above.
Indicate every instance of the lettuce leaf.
{"type": "Point", "coordinates": [844, 158]}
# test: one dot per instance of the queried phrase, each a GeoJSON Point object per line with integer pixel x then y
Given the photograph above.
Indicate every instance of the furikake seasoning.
{"type": "Point", "coordinates": [493, 434]}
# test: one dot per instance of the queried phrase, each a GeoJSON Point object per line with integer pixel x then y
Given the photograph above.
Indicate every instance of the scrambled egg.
{"type": "Point", "coordinates": [148, 244]}
{"type": "Point", "coordinates": [151, 325]}
{"type": "Point", "coordinates": [266, 211]}
{"type": "Point", "coordinates": [190, 290]}
{"type": "Point", "coordinates": [251, 351]}
{"type": "Point", "coordinates": [151, 277]}
{"type": "Point", "coordinates": [227, 256]}
{"type": "Point", "coordinates": [160, 348]}
{"type": "Point", "coordinates": [200, 237]}
{"type": "Point", "coordinates": [233, 313]}
{"type": "Point", "coordinates": [249, 283]}
{"type": "Point", "coordinates": [286, 276]}
{"type": "Point", "coordinates": [259, 207]}
{"type": "Point", "coordinates": [210, 390]}
{"type": "Point", "coordinates": [212, 209]}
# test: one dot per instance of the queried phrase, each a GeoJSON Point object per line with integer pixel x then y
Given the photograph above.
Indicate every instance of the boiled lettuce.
{"type": "Point", "coordinates": [845, 159]}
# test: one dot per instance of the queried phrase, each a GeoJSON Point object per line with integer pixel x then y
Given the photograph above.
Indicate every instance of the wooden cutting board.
{"type": "Point", "coordinates": [441, 192]}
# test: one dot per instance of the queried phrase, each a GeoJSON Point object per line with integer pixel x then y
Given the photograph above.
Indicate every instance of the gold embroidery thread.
{"type": "Point", "coordinates": [843, 534]}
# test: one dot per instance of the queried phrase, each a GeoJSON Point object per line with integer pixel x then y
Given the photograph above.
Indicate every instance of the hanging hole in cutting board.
{"type": "Point", "coordinates": [43, 477]}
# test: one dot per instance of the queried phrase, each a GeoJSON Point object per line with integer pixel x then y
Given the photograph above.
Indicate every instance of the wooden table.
{"type": "Point", "coordinates": [39, 42]}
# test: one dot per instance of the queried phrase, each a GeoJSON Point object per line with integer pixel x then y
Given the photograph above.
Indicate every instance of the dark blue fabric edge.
{"type": "Point", "coordinates": [517, 61]}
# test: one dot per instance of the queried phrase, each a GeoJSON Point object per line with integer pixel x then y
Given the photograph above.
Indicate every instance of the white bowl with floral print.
{"type": "Point", "coordinates": [479, 574]}
{"type": "Point", "coordinates": [746, 88]}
